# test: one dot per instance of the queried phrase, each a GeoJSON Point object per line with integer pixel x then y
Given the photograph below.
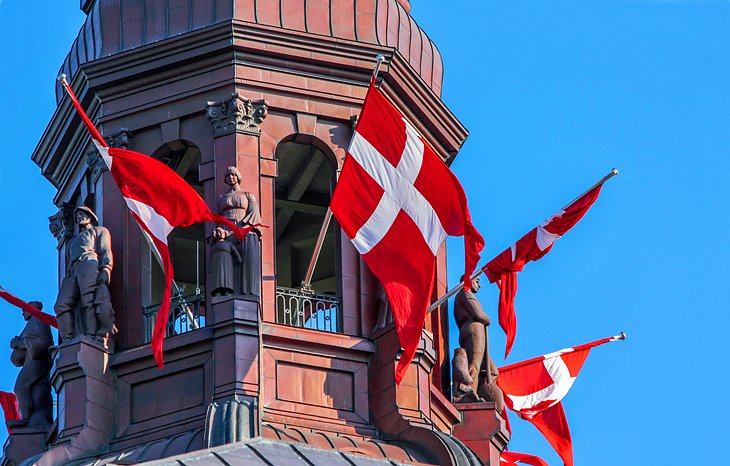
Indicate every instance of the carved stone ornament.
{"type": "Point", "coordinates": [237, 114]}
{"type": "Point", "coordinates": [61, 223]}
{"type": "Point", "coordinates": [121, 139]}
{"type": "Point", "coordinates": [97, 166]}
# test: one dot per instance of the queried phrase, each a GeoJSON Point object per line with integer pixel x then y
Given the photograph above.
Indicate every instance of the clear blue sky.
{"type": "Point", "coordinates": [554, 94]}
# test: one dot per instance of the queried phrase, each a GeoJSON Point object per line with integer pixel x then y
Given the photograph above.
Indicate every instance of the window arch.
{"type": "Point", "coordinates": [187, 252]}
{"type": "Point", "coordinates": [304, 185]}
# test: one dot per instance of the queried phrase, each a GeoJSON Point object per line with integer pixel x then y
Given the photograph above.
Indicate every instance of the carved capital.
{"type": "Point", "coordinates": [61, 223]}
{"type": "Point", "coordinates": [97, 166]}
{"type": "Point", "coordinates": [121, 139]}
{"type": "Point", "coordinates": [237, 114]}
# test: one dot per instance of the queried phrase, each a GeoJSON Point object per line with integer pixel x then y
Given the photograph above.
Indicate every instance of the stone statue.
{"type": "Point", "coordinates": [474, 370]}
{"type": "Point", "coordinates": [385, 315]}
{"type": "Point", "coordinates": [241, 208]}
{"type": "Point", "coordinates": [33, 386]}
{"type": "Point", "coordinates": [220, 267]}
{"type": "Point", "coordinates": [83, 301]}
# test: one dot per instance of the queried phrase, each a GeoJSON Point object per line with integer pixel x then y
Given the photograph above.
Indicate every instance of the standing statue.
{"type": "Point", "coordinates": [220, 267]}
{"type": "Point", "coordinates": [474, 370]}
{"type": "Point", "coordinates": [33, 386]}
{"type": "Point", "coordinates": [83, 301]}
{"type": "Point", "coordinates": [241, 208]}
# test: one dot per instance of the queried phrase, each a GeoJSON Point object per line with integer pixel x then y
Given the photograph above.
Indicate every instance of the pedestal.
{"type": "Point", "coordinates": [23, 443]}
{"type": "Point", "coordinates": [483, 430]}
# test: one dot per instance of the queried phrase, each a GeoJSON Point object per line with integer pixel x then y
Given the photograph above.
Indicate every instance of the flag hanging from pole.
{"type": "Point", "coordinates": [9, 405]}
{"type": "Point", "coordinates": [398, 201]}
{"type": "Point", "coordinates": [32, 310]}
{"type": "Point", "coordinates": [535, 388]}
{"type": "Point", "coordinates": [159, 200]}
{"type": "Point", "coordinates": [511, 458]}
{"type": "Point", "coordinates": [531, 247]}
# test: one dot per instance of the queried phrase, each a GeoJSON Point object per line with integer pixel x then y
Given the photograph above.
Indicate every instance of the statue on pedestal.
{"type": "Point", "coordinates": [220, 268]}
{"type": "Point", "coordinates": [474, 370]}
{"type": "Point", "coordinates": [241, 208]}
{"type": "Point", "coordinates": [83, 306]}
{"type": "Point", "coordinates": [33, 386]}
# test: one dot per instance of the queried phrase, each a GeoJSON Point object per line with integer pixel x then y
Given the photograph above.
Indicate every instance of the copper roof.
{"type": "Point", "coordinates": [114, 26]}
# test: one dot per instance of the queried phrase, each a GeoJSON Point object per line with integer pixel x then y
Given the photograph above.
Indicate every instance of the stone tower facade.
{"type": "Point", "coordinates": [273, 88]}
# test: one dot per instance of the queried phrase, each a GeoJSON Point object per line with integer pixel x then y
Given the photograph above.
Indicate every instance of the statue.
{"type": "Point", "coordinates": [220, 267]}
{"type": "Point", "coordinates": [385, 315]}
{"type": "Point", "coordinates": [83, 305]}
{"type": "Point", "coordinates": [241, 208]}
{"type": "Point", "coordinates": [33, 386]}
{"type": "Point", "coordinates": [474, 370]}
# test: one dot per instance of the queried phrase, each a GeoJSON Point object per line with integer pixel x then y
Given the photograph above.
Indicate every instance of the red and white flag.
{"type": "Point", "coordinates": [511, 458]}
{"type": "Point", "coordinates": [531, 247]}
{"type": "Point", "coordinates": [32, 310]}
{"type": "Point", "coordinates": [9, 404]}
{"type": "Point", "coordinates": [534, 390]}
{"type": "Point", "coordinates": [397, 201]}
{"type": "Point", "coordinates": [159, 200]}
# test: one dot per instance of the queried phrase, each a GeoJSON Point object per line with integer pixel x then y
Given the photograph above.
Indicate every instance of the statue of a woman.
{"type": "Point", "coordinates": [241, 208]}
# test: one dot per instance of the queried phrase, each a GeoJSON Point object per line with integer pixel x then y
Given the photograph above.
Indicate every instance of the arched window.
{"type": "Point", "coordinates": [304, 185]}
{"type": "Point", "coordinates": [187, 251]}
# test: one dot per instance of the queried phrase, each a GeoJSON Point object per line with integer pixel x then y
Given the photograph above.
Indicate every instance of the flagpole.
{"type": "Point", "coordinates": [307, 282]}
{"type": "Point", "coordinates": [480, 271]}
{"type": "Point", "coordinates": [620, 336]}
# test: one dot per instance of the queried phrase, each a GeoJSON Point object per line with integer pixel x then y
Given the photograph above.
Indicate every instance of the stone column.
{"type": "Point", "coordinates": [85, 387]}
{"type": "Point", "coordinates": [483, 430]}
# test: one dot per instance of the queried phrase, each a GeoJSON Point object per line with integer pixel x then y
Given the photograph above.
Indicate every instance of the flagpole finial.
{"type": "Point", "coordinates": [614, 172]}
{"type": "Point", "coordinates": [378, 61]}
{"type": "Point", "coordinates": [622, 335]}
{"type": "Point", "coordinates": [62, 78]}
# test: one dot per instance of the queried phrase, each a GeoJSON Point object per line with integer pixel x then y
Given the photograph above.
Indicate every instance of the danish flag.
{"type": "Point", "coordinates": [32, 310]}
{"type": "Point", "coordinates": [511, 458]}
{"type": "Point", "coordinates": [159, 200]}
{"type": "Point", "coordinates": [531, 247]}
{"type": "Point", "coordinates": [534, 390]}
{"type": "Point", "coordinates": [9, 405]}
{"type": "Point", "coordinates": [397, 201]}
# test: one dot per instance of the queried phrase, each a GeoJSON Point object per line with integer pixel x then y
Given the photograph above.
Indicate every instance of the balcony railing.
{"type": "Point", "coordinates": [186, 313]}
{"type": "Point", "coordinates": [301, 308]}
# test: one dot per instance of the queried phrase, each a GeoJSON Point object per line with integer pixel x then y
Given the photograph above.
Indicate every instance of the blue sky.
{"type": "Point", "coordinates": [554, 95]}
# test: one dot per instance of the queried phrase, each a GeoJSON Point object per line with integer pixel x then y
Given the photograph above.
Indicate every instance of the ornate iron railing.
{"type": "Point", "coordinates": [301, 308]}
{"type": "Point", "coordinates": [186, 313]}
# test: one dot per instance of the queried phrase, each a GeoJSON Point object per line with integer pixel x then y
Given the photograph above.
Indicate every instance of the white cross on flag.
{"type": "Point", "coordinates": [159, 200]}
{"type": "Point", "coordinates": [397, 201]}
{"type": "Point", "coordinates": [534, 390]}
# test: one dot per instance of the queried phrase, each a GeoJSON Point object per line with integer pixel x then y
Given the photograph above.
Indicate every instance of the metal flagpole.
{"type": "Point", "coordinates": [178, 291]}
{"type": "Point", "coordinates": [572, 349]}
{"type": "Point", "coordinates": [480, 271]}
{"type": "Point", "coordinates": [307, 282]}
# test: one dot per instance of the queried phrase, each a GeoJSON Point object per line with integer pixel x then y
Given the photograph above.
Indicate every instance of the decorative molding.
{"type": "Point", "coordinates": [61, 223]}
{"type": "Point", "coordinates": [237, 114]}
{"type": "Point", "coordinates": [121, 139]}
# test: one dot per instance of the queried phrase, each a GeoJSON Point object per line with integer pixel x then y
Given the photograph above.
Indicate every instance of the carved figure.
{"type": "Point", "coordinates": [385, 315]}
{"type": "Point", "coordinates": [476, 380]}
{"type": "Point", "coordinates": [83, 301]}
{"type": "Point", "coordinates": [220, 267]}
{"type": "Point", "coordinates": [33, 386]}
{"type": "Point", "coordinates": [241, 208]}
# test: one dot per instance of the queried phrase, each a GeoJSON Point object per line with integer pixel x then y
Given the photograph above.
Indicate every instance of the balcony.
{"type": "Point", "coordinates": [308, 309]}
{"type": "Point", "coordinates": [186, 313]}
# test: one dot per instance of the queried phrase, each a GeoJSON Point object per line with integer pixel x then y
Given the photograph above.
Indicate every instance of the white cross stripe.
{"type": "Point", "coordinates": [562, 381]}
{"type": "Point", "coordinates": [104, 151]}
{"type": "Point", "coordinates": [157, 224]}
{"type": "Point", "coordinates": [399, 193]}
{"type": "Point", "coordinates": [544, 238]}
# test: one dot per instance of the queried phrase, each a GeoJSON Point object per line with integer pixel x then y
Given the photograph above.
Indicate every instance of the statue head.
{"type": "Point", "coordinates": [83, 215]}
{"type": "Point", "coordinates": [36, 304]}
{"type": "Point", "coordinates": [219, 233]}
{"type": "Point", "coordinates": [475, 284]}
{"type": "Point", "coordinates": [233, 176]}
